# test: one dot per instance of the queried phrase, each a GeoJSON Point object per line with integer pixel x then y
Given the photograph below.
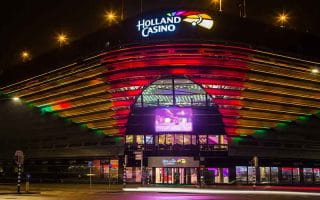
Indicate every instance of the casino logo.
{"type": "Point", "coordinates": [169, 22]}
{"type": "Point", "coordinates": [195, 18]}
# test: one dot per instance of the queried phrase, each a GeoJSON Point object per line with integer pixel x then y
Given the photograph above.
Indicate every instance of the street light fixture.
{"type": "Point", "coordinates": [315, 70]}
{"type": "Point", "coordinates": [283, 19]}
{"type": "Point", "coordinates": [16, 99]}
{"type": "Point", "coordinates": [110, 16]}
{"type": "Point", "coordinates": [215, 1]}
{"type": "Point", "coordinates": [62, 39]}
{"type": "Point", "coordinates": [25, 56]}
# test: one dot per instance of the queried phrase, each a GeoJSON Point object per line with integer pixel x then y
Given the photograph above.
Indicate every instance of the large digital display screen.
{"type": "Point", "coordinates": [173, 119]}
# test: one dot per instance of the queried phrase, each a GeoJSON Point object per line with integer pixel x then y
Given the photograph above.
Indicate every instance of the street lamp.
{"type": "Point", "coordinates": [315, 70]}
{"type": "Point", "coordinates": [215, 1]}
{"type": "Point", "coordinates": [62, 39]}
{"type": "Point", "coordinates": [283, 18]}
{"type": "Point", "coordinates": [25, 56]}
{"type": "Point", "coordinates": [16, 99]}
{"type": "Point", "coordinates": [110, 16]}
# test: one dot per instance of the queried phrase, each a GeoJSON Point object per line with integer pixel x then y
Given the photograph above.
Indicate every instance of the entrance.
{"type": "Point", "coordinates": [175, 175]}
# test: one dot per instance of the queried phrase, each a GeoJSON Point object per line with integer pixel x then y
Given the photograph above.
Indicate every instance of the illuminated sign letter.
{"type": "Point", "coordinates": [169, 22]}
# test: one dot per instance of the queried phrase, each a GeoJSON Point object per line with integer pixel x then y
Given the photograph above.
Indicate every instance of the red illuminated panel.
{"type": "Point", "coordinates": [122, 103]}
{"type": "Point", "coordinates": [187, 61]}
{"type": "Point", "coordinates": [130, 83]}
{"type": "Point", "coordinates": [211, 81]}
{"type": "Point", "coordinates": [137, 69]}
{"type": "Point", "coordinates": [126, 93]}
{"type": "Point", "coordinates": [220, 92]}
{"type": "Point", "coordinates": [228, 102]}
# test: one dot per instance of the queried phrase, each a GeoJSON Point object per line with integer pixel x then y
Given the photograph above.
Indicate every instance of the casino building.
{"type": "Point", "coordinates": [170, 97]}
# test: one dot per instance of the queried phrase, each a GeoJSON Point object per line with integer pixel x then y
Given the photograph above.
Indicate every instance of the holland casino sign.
{"type": "Point", "coordinates": [168, 23]}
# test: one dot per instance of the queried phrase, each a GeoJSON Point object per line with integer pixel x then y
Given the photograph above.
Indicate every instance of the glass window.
{"type": "Point", "coordinates": [187, 139]}
{"type": "Point", "coordinates": [194, 139]}
{"type": "Point", "coordinates": [241, 174]}
{"type": "Point", "coordinates": [264, 175]}
{"type": "Point", "coordinates": [225, 172]}
{"type": "Point", "coordinates": [129, 139]}
{"type": "Point", "coordinates": [169, 138]}
{"type": "Point", "coordinates": [139, 139]}
{"type": "Point", "coordinates": [202, 139]}
{"type": "Point", "coordinates": [129, 173]}
{"type": "Point", "coordinates": [186, 91]}
{"type": "Point", "coordinates": [213, 139]}
{"type": "Point", "coordinates": [251, 174]}
{"type": "Point", "coordinates": [162, 139]}
{"type": "Point", "coordinates": [274, 174]}
{"type": "Point", "coordinates": [287, 175]}
{"type": "Point", "coordinates": [295, 175]}
{"type": "Point", "coordinates": [308, 175]}
{"type": "Point", "coordinates": [223, 139]}
{"type": "Point", "coordinates": [149, 139]}
{"type": "Point", "coordinates": [316, 172]}
{"type": "Point", "coordinates": [178, 139]}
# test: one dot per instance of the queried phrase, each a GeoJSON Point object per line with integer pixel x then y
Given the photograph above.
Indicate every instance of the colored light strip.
{"type": "Point", "coordinates": [218, 191]}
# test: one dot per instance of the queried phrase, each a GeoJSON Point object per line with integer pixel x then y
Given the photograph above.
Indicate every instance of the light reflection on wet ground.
{"type": "Point", "coordinates": [55, 195]}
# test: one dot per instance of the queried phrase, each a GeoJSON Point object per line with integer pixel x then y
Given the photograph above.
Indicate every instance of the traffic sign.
{"type": "Point", "coordinates": [19, 157]}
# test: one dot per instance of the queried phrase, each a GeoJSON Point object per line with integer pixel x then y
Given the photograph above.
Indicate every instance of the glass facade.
{"type": "Point", "coordinates": [205, 142]}
{"type": "Point", "coordinates": [290, 175]}
{"type": "Point", "coordinates": [308, 175]}
{"type": "Point", "coordinates": [174, 91]}
{"type": "Point", "coordinates": [269, 175]}
{"type": "Point", "coordinates": [176, 175]}
{"type": "Point", "coordinates": [216, 175]}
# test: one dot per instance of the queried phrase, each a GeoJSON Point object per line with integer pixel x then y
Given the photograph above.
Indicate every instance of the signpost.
{"type": "Point", "coordinates": [255, 164]}
{"type": "Point", "coordinates": [125, 170]}
{"type": "Point", "coordinates": [110, 166]}
{"type": "Point", "coordinates": [19, 159]}
{"type": "Point", "coordinates": [90, 173]}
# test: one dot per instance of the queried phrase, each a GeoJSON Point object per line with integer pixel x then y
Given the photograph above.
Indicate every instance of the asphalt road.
{"type": "Point", "coordinates": [114, 192]}
{"type": "Point", "coordinates": [82, 195]}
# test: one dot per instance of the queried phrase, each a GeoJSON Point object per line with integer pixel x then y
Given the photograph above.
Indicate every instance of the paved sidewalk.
{"type": "Point", "coordinates": [38, 188]}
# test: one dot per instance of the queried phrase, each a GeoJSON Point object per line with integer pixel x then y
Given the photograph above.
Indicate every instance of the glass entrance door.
{"type": "Point", "coordinates": [176, 175]}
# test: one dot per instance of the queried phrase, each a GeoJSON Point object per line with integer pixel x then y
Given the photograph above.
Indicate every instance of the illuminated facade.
{"type": "Point", "coordinates": [233, 93]}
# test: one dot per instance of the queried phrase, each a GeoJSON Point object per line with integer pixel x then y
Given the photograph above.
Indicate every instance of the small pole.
{"type": "Point", "coordinates": [122, 9]}
{"type": "Point", "coordinates": [19, 179]}
{"type": "Point", "coordinates": [125, 171]}
{"type": "Point", "coordinates": [142, 166]}
{"type": "Point", "coordinates": [244, 9]}
{"type": "Point", "coordinates": [27, 183]}
{"type": "Point", "coordinates": [109, 175]}
{"type": "Point", "coordinates": [90, 177]}
{"type": "Point", "coordinates": [220, 6]}
{"type": "Point", "coordinates": [173, 92]}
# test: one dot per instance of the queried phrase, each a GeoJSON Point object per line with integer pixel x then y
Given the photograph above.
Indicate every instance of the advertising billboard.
{"type": "Point", "coordinates": [173, 119]}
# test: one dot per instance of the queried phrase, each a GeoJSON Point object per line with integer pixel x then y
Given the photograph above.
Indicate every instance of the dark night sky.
{"type": "Point", "coordinates": [33, 24]}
